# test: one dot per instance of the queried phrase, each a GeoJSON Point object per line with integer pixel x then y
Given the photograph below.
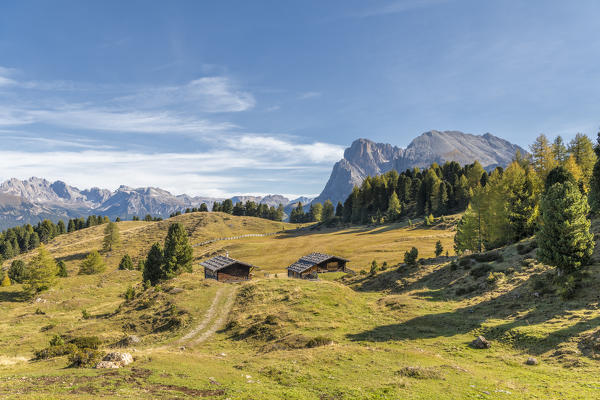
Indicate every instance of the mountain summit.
{"type": "Point", "coordinates": [366, 158]}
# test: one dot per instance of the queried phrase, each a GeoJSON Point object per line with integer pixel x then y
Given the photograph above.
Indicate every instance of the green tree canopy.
{"type": "Point", "coordinates": [41, 272]}
{"type": "Point", "coordinates": [17, 271]}
{"type": "Point", "coordinates": [178, 253]}
{"type": "Point", "coordinates": [153, 267]}
{"type": "Point", "coordinates": [112, 237]}
{"type": "Point", "coordinates": [126, 263]}
{"type": "Point", "coordinates": [564, 237]}
{"type": "Point", "coordinates": [92, 264]}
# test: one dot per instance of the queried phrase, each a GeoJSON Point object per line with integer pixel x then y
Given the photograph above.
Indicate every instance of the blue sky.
{"type": "Point", "coordinates": [231, 97]}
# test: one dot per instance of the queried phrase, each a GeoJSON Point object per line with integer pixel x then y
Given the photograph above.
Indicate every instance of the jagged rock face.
{"type": "Point", "coordinates": [366, 158]}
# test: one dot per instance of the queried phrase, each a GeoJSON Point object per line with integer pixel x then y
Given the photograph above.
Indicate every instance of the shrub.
{"type": "Point", "coordinates": [86, 342]}
{"type": "Point", "coordinates": [319, 341]}
{"type": "Point", "coordinates": [465, 290]}
{"type": "Point", "coordinates": [17, 271]}
{"type": "Point", "coordinates": [5, 280]}
{"type": "Point", "coordinates": [129, 293]}
{"type": "Point", "coordinates": [494, 277]}
{"type": "Point", "coordinates": [62, 269]}
{"type": "Point", "coordinates": [567, 286]}
{"type": "Point", "coordinates": [85, 314]}
{"type": "Point", "coordinates": [363, 272]}
{"type": "Point", "coordinates": [57, 340]}
{"type": "Point", "coordinates": [487, 257]}
{"type": "Point", "coordinates": [410, 257]}
{"type": "Point", "coordinates": [464, 262]}
{"type": "Point", "coordinates": [480, 271]}
{"type": "Point", "coordinates": [384, 266]}
{"type": "Point", "coordinates": [439, 249]}
{"type": "Point", "coordinates": [54, 351]}
{"type": "Point", "coordinates": [419, 373]}
{"type": "Point", "coordinates": [453, 266]}
{"type": "Point", "coordinates": [93, 264]}
{"type": "Point", "coordinates": [374, 267]}
{"type": "Point", "coordinates": [86, 357]}
{"type": "Point", "coordinates": [126, 263]}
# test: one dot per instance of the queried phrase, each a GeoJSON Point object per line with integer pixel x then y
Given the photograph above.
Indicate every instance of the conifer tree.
{"type": "Point", "coordinates": [178, 253]}
{"type": "Point", "coordinates": [594, 195]}
{"type": "Point", "coordinates": [328, 210]}
{"type": "Point", "coordinates": [583, 150]}
{"type": "Point", "coordinates": [439, 249]}
{"type": "Point", "coordinates": [339, 210]}
{"type": "Point", "coordinates": [203, 207]}
{"type": "Point", "coordinates": [126, 263]}
{"type": "Point", "coordinates": [112, 237]}
{"type": "Point", "coordinates": [316, 212]}
{"type": "Point", "coordinates": [542, 157]}
{"type": "Point", "coordinates": [62, 269]}
{"type": "Point", "coordinates": [17, 271]}
{"type": "Point", "coordinates": [41, 272]}
{"type": "Point", "coordinates": [153, 267]}
{"type": "Point", "coordinates": [297, 214]}
{"type": "Point", "coordinates": [410, 257]}
{"type": "Point", "coordinates": [394, 208]}
{"type": "Point", "coordinates": [468, 232]}
{"type": "Point", "coordinates": [5, 280]}
{"type": "Point", "coordinates": [559, 150]}
{"type": "Point", "coordinates": [564, 237]}
{"type": "Point", "coordinates": [92, 264]}
{"type": "Point", "coordinates": [227, 206]}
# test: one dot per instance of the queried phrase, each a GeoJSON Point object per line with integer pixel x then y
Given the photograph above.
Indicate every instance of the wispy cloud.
{"type": "Point", "coordinates": [248, 160]}
{"type": "Point", "coordinates": [394, 7]}
{"type": "Point", "coordinates": [309, 95]}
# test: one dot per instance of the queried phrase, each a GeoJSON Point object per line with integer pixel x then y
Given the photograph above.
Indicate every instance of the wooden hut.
{"type": "Point", "coordinates": [312, 264]}
{"type": "Point", "coordinates": [225, 269]}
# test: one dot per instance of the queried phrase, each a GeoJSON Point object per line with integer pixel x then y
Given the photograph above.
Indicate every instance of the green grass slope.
{"type": "Point", "coordinates": [401, 333]}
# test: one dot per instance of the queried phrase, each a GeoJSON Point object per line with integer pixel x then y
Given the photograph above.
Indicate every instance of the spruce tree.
{"type": "Point", "coordinates": [153, 267]}
{"type": "Point", "coordinates": [62, 269]}
{"type": "Point", "coordinates": [316, 212]}
{"type": "Point", "coordinates": [439, 249]}
{"type": "Point", "coordinates": [92, 264]}
{"type": "Point", "coordinates": [178, 253]}
{"type": "Point", "coordinates": [126, 263]}
{"type": "Point", "coordinates": [564, 237]}
{"type": "Point", "coordinates": [17, 271]}
{"type": "Point", "coordinates": [394, 208]}
{"type": "Point", "coordinates": [339, 210]}
{"type": "Point", "coordinates": [328, 210]}
{"type": "Point", "coordinates": [227, 206]}
{"type": "Point", "coordinates": [410, 257]}
{"type": "Point", "coordinates": [41, 272]}
{"type": "Point", "coordinates": [112, 238]}
{"type": "Point", "coordinates": [594, 195]}
{"type": "Point", "coordinates": [203, 207]}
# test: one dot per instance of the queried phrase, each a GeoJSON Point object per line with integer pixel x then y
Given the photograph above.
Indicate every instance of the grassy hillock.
{"type": "Point", "coordinates": [402, 332]}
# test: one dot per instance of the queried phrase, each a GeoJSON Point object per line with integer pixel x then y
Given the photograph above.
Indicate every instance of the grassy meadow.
{"type": "Point", "coordinates": [400, 333]}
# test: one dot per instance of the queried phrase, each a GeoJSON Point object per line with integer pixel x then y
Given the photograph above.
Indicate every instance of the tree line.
{"type": "Point", "coordinates": [250, 209]}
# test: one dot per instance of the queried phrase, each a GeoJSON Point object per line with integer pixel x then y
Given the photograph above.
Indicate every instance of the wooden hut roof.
{"type": "Point", "coordinates": [311, 260]}
{"type": "Point", "coordinates": [219, 262]}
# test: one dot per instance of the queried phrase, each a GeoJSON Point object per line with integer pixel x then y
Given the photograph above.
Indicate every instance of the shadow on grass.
{"type": "Point", "coordinates": [73, 257]}
{"type": "Point", "coordinates": [14, 297]}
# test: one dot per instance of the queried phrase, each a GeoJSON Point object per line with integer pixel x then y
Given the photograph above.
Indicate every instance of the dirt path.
{"type": "Point", "coordinates": [214, 319]}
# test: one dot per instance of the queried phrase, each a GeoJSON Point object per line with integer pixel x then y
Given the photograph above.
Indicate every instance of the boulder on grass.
{"type": "Point", "coordinates": [115, 360]}
{"type": "Point", "coordinates": [480, 343]}
{"type": "Point", "coordinates": [531, 361]}
{"type": "Point", "coordinates": [128, 341]}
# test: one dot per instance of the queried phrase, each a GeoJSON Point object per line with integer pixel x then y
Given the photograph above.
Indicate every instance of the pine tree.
{"type": "Point", "coordinates": [410, 257]}
{"type": "Point", "coordinates": [92, 264]}
{"type": "Point", "coordinates": [17, 271]}
{"type": "Point", "coordinates": [394, 208]}
{"type": "Point", "coordinates": [126, 263]}
{"type": "Point", "coordinates": [297, 214]}
{"type": "Point", "coordinates": [542, 157]}
{"type": "Point", "coordinates": [62, 269]}
{"type": "Point", "coordinates": [339, 210]}
{"type": "Point", "coordinates": [594, 195]}
{"type": "Point", "coordinates": [153, 267]}
{"type": "Point", "coordinates": [439, 249]}
{"type": "Point", "coordinates": [60, 227]}
{"type": "Point", "coordinates": [583, 150]}
{"type": "Point", "coordinates": [564, 237]}
{"type": "Point", "coordinates": [112, 237]}
{"type": "Point", "coordinates": [5, 280]}
{"type": "Point", "coordinates": [328, 210]}
{"type": "Point", "coordinates": [316, 212]}
{"type": "Point", "coordinates": [203, 207]}
{"type": "Point", "coordinates": [227, 206]}
{"type": "Point", "coordinates": [468, 232]}
{"type": "Point", "coordinates": [41, 272]}
{"type": "Point", "coordinates": [178, 253]}
{"type": "Point", "coordinates": [559, 150]}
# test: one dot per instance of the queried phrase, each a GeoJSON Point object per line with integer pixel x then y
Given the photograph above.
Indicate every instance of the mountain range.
{"type": "Point", "coordinates": [35, 199]}
{"type": "Point", "coordinates": [366, 158]}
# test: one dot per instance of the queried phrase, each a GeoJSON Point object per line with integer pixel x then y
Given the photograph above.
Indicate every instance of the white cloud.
{"type": "Point", "coordinates": [396, 7]}
{"type": "Point", "coordinates": [262, 162]}
{"type": "Point", "coordinates": [309, 95]}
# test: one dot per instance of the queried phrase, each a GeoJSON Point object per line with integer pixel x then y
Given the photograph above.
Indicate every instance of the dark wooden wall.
{"type": "Point", "coordinates": [234, 273]}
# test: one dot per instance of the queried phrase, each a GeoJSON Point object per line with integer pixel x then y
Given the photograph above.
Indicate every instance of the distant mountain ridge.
{"type": "Point", "coordinates": [367, 158]}
{"type": "Point", "coordinates": [35, 199]}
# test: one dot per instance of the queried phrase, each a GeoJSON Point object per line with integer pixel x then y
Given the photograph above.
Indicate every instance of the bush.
{"type": "Point", "coordinates": [465, 290]}
{"type": "Point", "coordinates": [374, 267]}
{"type": "Point", "coordinates": [93, 264]}
{"type": "Point", "coordinates": [126, 263]}
{"type": "Point", "coordinates": [86, 342]}
{"type": "Point", "coordinates": [567, 287]}
{"type": "Point", "coordinates": [129, 293]}
{"type": "Point", "coordinates": [410, 257]}
{"type": "Point", "coordinates": [481, 270]}
{"type": "Point", "coordinates": [62, 269]}
{"type": "Point", "coordinates": [85, 314]}
{"type": "Point", "coordinates": [57, 340]}
{"type": "Point", "coordinates": [487, 257]}
{"type": "Point", "coordinates": [84, 358]}
{"type": "Point", "coordinates": [55, 351]}
{"type": "Point", "coordinates": [494, 277]}
{"type": "Point", "coordinates": [453, 266]}
{"type": "Point", "coordinates": [17, 271]}
{"type": "Point", "coordinates": [319, 341]}
{"type": "Point", "coordinates": [384, 266]}
{"type": "Point", "coordinates": [464, 262]}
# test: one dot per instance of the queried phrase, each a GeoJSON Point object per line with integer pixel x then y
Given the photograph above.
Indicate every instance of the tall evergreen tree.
{"type": "Point", "coordinates": [153, 267]}
{"type": "Point", "coordinates": [178, 253]}
{"type": "Point", "coordinates": [41, 272]}
{"type": "Point", "coordinates": [583, 150]}
{"type": "Point", "coordinates": [564, 237]}
{"type": "Point", "coordinates": [112, 237]}
{"type": "Point", "coordinates": [203, 207]}
{"type": "Point", "coordinates": [339, 210]}
{"type": "Point", "coordinates": [559, 150]}
{"type": "Point", "coordinates": [394, 207]}
{"type": "Point", "coordinates": [227, 206]}
{"type": "Point", "coordinates": [316, 212]}
{"type": "Point", "coordinates": [542, 157]}
{"type": "Point", "coordinates": [328, 210]}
